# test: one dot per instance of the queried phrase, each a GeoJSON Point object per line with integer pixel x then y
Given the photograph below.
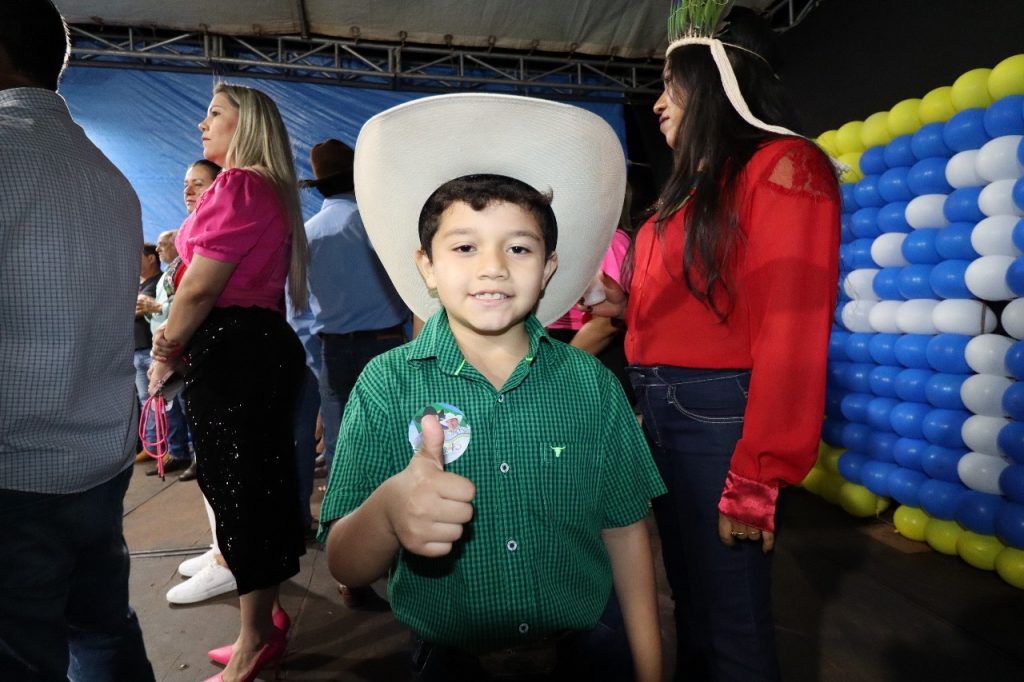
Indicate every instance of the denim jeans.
{"type": "Point", "coordinates": [64, 609]}
{"type": "Point", "coordinates": [177, 429]}
{"type": "Point", "coordinates": [724, 628]}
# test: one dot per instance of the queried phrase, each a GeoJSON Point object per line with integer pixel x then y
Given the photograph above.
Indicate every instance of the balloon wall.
{"type": "Point", "coordinates": [925, 400]}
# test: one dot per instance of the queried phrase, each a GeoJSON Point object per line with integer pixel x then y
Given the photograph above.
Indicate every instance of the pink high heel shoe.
{"type": "Point", "coordinates": [282, 624]}
{"type": "Point", "coordinates": [270, 653]}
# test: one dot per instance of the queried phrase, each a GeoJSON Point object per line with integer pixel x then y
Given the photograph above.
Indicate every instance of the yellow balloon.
{"type": "Point", "coordinates": [937, 105]}
{"type": "Point", "coordinates": [911, 522]}
{"type": "Point", "coordinates": [1007, 77]}
{"type": "Point", "coordinates": [875, 130]}
{"type": "Point", "coordinates": [854, 174]}
{"type": "Point", "coordinates": [971, 90]}
{"type": "Point", "coordinates": [829, 460]}
{"type": "Point", "coordinates": [827, 141]}
{"type": "Point", "coordinates": [979, 550]}
{"type": "Point", "coordinates": [814, 480]}
{"type": "Point", "coordinates": [831, 486]}
{"type": "Point", "coordinates": [848, 137]}
{"type": "Point", "coordinates": [858, 501]}
{"type": "Point", "coordinates": [942, 536]}
{"type": "Point", "coordinates": [904, 118]}
{"type": "Point", "coordinates": [1010, 566]}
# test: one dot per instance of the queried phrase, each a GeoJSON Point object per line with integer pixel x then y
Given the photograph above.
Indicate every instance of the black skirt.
{"type": "Point", "coordinates": [245, 367]}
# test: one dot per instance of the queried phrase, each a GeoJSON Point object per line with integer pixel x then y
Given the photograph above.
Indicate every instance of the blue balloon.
{"type": "Point", "coordinates": [832, 432]}
{"type": "Point", "coordinates": [1011, 441]}
{"type": "Point", "coordinates": [856, 436]}
{"type": "Point", "coordinates": [854, 407]}
{"type": "Point", "coordinates": [849, 201]}
{"type": "Point", "coordinates": [887, 284]}
{"type": "Point", "coordinates": [1011, 482]}
{"type": "Point", "coordinates": [837, 345]}
{"type": "Point", "coordinates": [928, 176]}
{"type": "Point", "coordinates": [836, 376]}
{"type": "Point", "coordinates": [872, 161]}
{"type": "Point", "coordinates": [858, 377]}
{"type": "Point", "coordinates": [893, 217]}
{"type": "Point", "coordinates": [850, 463]}
{"type": "Point", "coordinates": [1003, 117]}
{"type": "Point", "coordinates": [943, 390]}
{"type": "Point", "coordinates": [860, 254]}
{"type": "Point", "coordinates": [892, 185]}
{"type": "Point", "coordinates": [919, 247]}
{"type": "Point", "coordinates": [1020, 154]}
{"type": "Point", "coordinates": [1014, 359]}
{"type": "Point", "coordinates": [846, 234]}
{"type": "Point", "coordinates": [866, 193]}
{"type": "Point", "coordinates": [977, 511]}
{"type": "Point", "coordinates": [881, 445]}
{"type": "Point", "coordinates": [883, 380]}
{"type": "Point", "coordinates": [941, 463]}
{"type": "Point", "coordinates": [864, 222]}
{"type": "Point", "coordinates": [875, 476]}
{"type": "Point", "coordinates": [948, 279]}
{"type": "Point", "coordinates": [928, 142]}
{"type": "Point", "coordinates": [947, 353]}
{"type": "Point", "coordinates": [939, 498]}
{"type": "Point", "coordinates": [1018, 187]}
{"type": "Point", "coordinates": [857, 347]}
{"type": "Point", "coordinates": [907, 419]}
{"type": "Point", "coordinates": [908, 452]}
{"type": "Point", "coordinates": [942, 427]}
{"type": "Point", "coordinates": [954, 241]}
{"type": "Point", "coordinates": [1010, 524]}
{"type": "Point", "coordinates": [834, 402]}
{"type": "Point", "coordinates": [911, 384]}
{"type": "Point", "coordinates": [913, 282]}
{"type": "Point", "coordinates": [905, 486]}
{"type": "Point", "coordinates": [966, 130]}
{"type": "Point", "coordinates": [1015, 276]}
{"type": "Point", "coordinates": [878, 412]}
{"type": "Point", "coordinates": [883, 348]}
{"type": "Point", "coordinates": [910, 350]}
{"type": "Point", "coordinates": [899, 152]}
{"type": "Point", "coordinates": [962, 205]}
{"type": "Point", "coordinates": [1013, 401]}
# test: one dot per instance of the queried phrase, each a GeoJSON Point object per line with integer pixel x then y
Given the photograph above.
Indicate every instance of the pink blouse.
{"type": "Point", "coordinates": [241, 220]}
{"type": "Point", "coordinates": [611, 265]}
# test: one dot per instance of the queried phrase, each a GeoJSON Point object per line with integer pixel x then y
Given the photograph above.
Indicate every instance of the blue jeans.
{"type": "Point", "coordinates": [64, 588]}
{"type": "Point", "coordinates": [724, 627]}
{"type": "Point", "coordinates": [177, 429]}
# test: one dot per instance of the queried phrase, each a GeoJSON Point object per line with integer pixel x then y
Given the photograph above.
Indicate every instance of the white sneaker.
{"type": "Point", "coordinates": [189, 567]}
{"type": "Point", "coordinates": [211, 580]}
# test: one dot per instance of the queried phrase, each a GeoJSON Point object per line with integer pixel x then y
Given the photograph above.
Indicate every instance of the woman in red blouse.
{"type": "Point", "coordinates": [728, 317]}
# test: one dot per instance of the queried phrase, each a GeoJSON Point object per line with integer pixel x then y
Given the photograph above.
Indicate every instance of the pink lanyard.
{"type": "Point", "coordinates": [156, 406]}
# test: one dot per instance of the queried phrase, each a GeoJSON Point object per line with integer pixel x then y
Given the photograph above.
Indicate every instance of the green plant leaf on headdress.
{"type": "Point", "coordinates": [695, 18]}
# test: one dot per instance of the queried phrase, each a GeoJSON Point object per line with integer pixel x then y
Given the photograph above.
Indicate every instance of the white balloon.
{"type": "Point", "coordinates": [997, 159]}
{"type": "Point", "coordinates": [859, 284]}
{"type": "Point", "coordinates": [1013, 318]}
{"type": "Point", "coordinates": [926, 211]}
{"type": "Point", "coordinates": [915, 316]}
{"type": "Point", "coordinates": [965, 316]}
{"type": "Point", "coordinates": [994, 236]}
{"type": "Point", "coordinates": [962, 171]}
{"type": "Point", "coordinates": [983, 394]}
{"type": "Point", "coordinates": [883, 316]}
{"type": "Point", "coordinates": [855, 316]}
{"type": "Point", "coordinates": [887, 250]}
{"type": "Point", "coordinates": [981, 472]}
{"type": "Point", "coordinates": [986, 354]}
{"type": "Point", "coordinates": [986, 278]}
{"type": "Point", "coordinates": [981, 434]}
{"type": "Point", "coordinates": [997, 199]}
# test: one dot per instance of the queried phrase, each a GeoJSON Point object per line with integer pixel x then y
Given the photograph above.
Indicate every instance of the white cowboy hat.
{"type": "Point", "coordinates": [405, 153]}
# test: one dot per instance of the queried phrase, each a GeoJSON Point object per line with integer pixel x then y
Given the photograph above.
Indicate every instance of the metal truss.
{"type": "Point", "coordinates": [357, 63]}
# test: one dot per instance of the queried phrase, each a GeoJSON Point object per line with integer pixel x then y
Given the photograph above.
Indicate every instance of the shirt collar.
{"type": "Point", "coordinates": [436, 340]}
{"type": "Point", "coordinates": [337, 199]}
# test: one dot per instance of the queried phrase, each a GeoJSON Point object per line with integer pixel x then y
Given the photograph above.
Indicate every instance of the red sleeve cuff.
{"type": "Point", "coordinates": [749, 502]}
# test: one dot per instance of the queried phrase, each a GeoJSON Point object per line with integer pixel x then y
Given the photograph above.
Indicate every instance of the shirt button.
{"type": "Point", "coordinates": [504, 467]}
{"type": "Point", "coordinates": [501, 398]}
{"type": "Point", "coordinates": [523, 628]}
{"type": "Point", "coordinates": [511, 545]}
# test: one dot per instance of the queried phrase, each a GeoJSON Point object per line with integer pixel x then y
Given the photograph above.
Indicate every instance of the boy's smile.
{"type": "Point", "coordinates": [488, 268]}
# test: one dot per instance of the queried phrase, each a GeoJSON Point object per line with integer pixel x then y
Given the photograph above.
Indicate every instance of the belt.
{"type": "Point", "coordinates": [396, 332]}
{"type": "Point", "coordinates": [537, 658]}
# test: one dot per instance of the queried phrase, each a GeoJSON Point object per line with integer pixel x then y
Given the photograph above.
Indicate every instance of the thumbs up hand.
{"type": "Point", "coordinates": [428, 506]}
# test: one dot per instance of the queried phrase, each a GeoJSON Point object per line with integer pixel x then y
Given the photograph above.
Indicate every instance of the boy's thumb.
{"type": "Point", "coordinates": [433, 440]}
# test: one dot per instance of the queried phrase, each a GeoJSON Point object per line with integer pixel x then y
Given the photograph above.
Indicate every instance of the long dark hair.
{"type": "Point", "coordinates": [712, 146]}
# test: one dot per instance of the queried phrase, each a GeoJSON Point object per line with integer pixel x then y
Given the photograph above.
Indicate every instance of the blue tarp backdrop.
{"type": "Point", "coordinates": [146, 122]}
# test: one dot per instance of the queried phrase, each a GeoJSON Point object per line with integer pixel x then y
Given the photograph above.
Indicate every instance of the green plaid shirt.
{"type": "Point", "coordinates": [556, 455]}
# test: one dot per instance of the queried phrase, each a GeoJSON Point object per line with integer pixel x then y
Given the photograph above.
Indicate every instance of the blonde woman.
{"type": "Point", "coordinates": [241, 361]}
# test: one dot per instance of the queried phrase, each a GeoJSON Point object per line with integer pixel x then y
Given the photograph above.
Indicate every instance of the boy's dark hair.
{"type": "Point", "coordinates": [480, 191]}
{"type": "Point", "coordinates": [35, 38]}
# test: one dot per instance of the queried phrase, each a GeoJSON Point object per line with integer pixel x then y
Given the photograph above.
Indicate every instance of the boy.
{"type": "Point", "coordinates": [501, 553]}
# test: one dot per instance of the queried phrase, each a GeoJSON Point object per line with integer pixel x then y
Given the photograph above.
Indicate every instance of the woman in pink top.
{"type": "Point", "coordinates": [241, 361]}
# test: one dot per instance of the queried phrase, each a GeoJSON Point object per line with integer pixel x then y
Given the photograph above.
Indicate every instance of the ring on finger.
{"type": "Point", "coordinates": [736, 534]}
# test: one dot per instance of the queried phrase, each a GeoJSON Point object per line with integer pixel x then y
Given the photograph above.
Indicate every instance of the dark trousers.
{"type": "Point", "coordinates": [724, 627]}
{"type": "Point", "coordinates": [64, 588]}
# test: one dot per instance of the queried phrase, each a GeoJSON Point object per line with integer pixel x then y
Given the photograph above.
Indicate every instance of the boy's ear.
{"type": "Point", "coordinates": [426, 268]}
{"type": "Point", "coordinates": [549, 268]}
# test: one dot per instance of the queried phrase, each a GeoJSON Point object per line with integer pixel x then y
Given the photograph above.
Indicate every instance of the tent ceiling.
{"type": "Point", "coordinates": [632, 29]}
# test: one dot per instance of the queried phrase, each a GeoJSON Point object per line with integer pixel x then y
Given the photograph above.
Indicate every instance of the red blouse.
{"type": "Point", "coordinates": [783, 275]}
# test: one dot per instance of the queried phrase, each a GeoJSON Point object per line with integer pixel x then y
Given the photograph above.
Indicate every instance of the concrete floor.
{"type": "Point", "coordinates": [854, 601]}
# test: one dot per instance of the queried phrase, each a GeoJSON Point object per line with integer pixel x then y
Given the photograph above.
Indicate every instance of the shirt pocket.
{"type": "Point", "coordinates": [570, 483]}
